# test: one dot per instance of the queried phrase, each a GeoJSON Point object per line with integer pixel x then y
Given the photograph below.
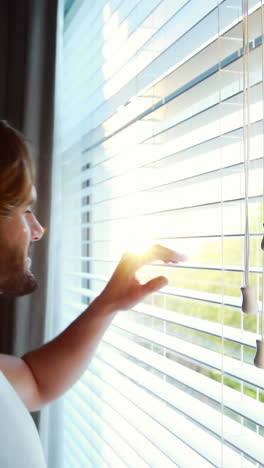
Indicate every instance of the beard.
{"type": "Point", "coordinates": [16, 279]}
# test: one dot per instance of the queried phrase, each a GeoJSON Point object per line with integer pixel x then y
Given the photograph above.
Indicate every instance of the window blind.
{"type": "Point", "coordinates": [159, 103]}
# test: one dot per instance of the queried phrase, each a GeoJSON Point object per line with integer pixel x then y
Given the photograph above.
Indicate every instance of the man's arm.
{"type": "Point", "coordinates": [47, 372]}
{"type": "Point", "coordinates": [58, 364]}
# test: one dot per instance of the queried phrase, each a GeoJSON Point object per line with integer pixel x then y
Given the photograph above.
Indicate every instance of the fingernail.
{"type": "Point", "coordinates": [180, 257]}
{"type": "Point", "coordinates": [164, 282]}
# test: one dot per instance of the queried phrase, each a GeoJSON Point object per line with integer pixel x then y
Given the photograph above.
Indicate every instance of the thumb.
{"type": "Point", "coordinates": [155, 284]}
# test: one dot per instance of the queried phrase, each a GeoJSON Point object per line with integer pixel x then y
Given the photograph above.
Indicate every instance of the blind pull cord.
{"type": "Point", "coordinates": [249, 302]}
{"type": "Point", "coordinates": [259, 357]}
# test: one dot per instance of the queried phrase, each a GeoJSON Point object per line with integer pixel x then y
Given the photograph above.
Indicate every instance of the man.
{"type": "Point", "coordinates": [40, 376]}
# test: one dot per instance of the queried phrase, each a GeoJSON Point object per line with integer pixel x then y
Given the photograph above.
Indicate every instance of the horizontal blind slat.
{"type": "Point", "coordinates": [137, 413]}
{"type": "Point", "coordinates": [232, 399]}
{"type": "Point", "coordinates": [233, 367]}
{"type": "Point", "coordinates": [85, 395]}
{"type": "Point", "coordinates": [155, 431]}
{"type": "Point", "coordinates": [117, 450]}
{"type": "Point", "coordinates": [244, 337]}
{"type": "Point", "coordinates": [213, 298]}
{"type": "Point", "coordinates": [242, 438]}
{"type": "Point", "coordinates": [80, 447]}
{"type": "Point", "coordinates": [154, 116]}
{"type": "Point", "coordinates": [179, 425]}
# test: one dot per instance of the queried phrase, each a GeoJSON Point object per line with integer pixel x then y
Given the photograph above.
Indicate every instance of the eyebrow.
{"type": "Point", "coordinates": [31, 201]}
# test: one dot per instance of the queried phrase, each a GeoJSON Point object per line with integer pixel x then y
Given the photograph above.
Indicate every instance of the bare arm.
{"type": "Point", "coordinates": [47, 372]}
{"type": "Point", "coordinates": [58, 364]}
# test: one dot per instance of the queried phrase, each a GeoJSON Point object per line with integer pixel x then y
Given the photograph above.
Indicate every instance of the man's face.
{"type": "Point", "coordinates": [16, 235]}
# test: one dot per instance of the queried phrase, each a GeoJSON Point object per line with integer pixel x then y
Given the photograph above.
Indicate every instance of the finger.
{"type": "Point", "coordinates": [154, 285]}
{"type": "Point", "coordinates": [127, 265]}
{"type": "Point", "coordinates": [131, 262]}
{"type": "Point", "coordinates": [159, 252]}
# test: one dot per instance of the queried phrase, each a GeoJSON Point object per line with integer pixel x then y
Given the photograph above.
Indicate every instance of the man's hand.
{"type": "Point", "coordinates": [123, 291]}
{"type": "Point", "coordinates": [56, 366]}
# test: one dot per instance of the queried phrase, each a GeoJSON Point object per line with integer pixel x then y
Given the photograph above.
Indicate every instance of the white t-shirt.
{"type": "Point", "coordinates": [20, 445]}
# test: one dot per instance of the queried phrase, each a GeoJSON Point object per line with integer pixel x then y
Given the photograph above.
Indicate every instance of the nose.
{"type": "Point", "coordinates": [37, 230]}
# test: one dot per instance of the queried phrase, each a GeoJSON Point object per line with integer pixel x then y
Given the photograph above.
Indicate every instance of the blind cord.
{"type": "Point", "coordinates": [259, 357]}
{"type": "Point", "coordinates": [262, 242]}
{"type": "Point", "coordinates": [246, 134]}
{"type": "Point", "coordinates": [249, 303]}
